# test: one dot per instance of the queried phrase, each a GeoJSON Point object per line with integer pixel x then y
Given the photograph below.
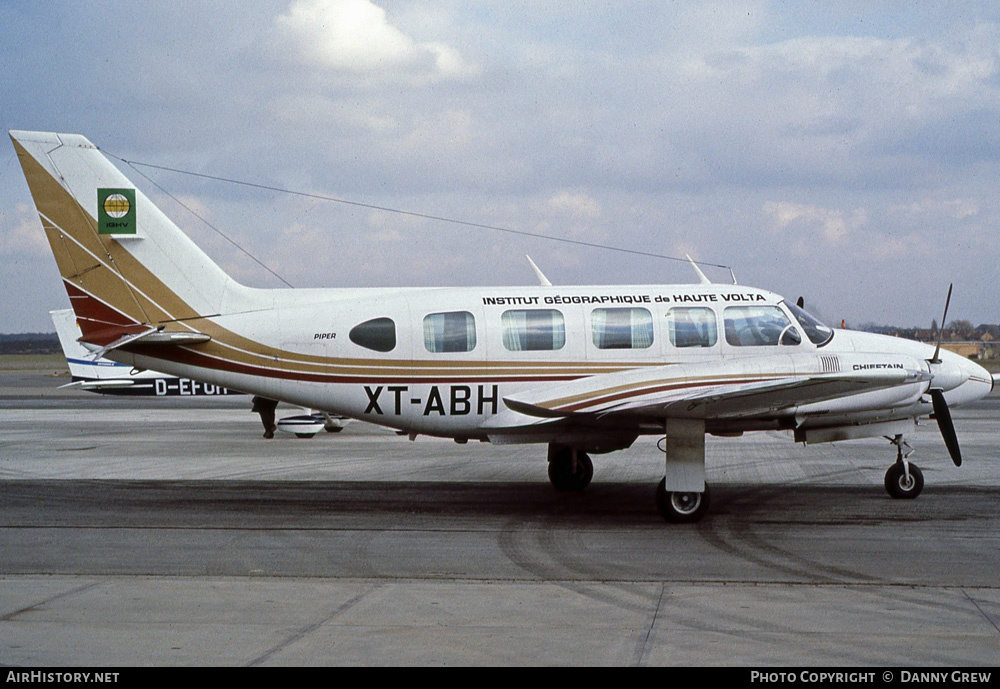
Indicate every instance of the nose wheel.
{"type": "Point", "coordinates": [903, 480]}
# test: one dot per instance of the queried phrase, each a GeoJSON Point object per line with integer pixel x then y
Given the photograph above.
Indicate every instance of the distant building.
{"type": "Point", "coordinates": [970, 350]}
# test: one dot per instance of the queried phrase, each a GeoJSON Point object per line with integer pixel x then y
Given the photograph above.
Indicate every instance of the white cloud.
{"type": "Point", "coordinates": [356, 36]}
{"type": "Point", "coordinates": [575, 204]}
{"type": "Point", "coordinates": [832, 226]}
{"type": "Point", "coordinates": [855, 109]}
{"type": "Point", "coordinates": [744, 135]}
{"type": "Point", "coordinates": [957, 209]}
{"type": "Point", "coordinates": [24, 236]}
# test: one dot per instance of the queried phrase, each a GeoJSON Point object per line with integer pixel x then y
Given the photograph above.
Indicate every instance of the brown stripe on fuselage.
{"type": "Point", "coordinates": [398, 374]}
{"type": "Point", "coordinates": [625, 392]}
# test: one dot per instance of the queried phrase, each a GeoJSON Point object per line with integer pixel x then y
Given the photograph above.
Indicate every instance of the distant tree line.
{"type": "Point", "coordinates": [955, 331]}
{"type": "Point", "coordinates": [30, 343]}
{"type": "Point", "coordinates": [985, 337]}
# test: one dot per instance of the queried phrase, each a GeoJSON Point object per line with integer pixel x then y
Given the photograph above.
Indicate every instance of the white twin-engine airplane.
{"type": "Point", "coordinates": [583, 369]}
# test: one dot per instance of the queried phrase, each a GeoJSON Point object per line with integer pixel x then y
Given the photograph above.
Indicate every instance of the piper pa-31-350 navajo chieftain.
{"type": "Point", "coordinates": [582, 369]}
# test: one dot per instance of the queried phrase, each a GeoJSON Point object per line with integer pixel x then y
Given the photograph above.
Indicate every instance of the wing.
{"type": "Point", "coordinates": [711, 390]}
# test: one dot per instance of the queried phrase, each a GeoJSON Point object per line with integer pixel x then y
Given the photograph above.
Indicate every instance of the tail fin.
{"type": "Point", "coordinates": [78, 357]}
{"type": "Point", "coordinates": [125, 265]}
{"type": "Point", "coordinates": [87, 372]}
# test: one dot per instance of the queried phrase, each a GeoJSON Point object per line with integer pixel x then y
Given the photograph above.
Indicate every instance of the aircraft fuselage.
{"type": "Point", "coordinates": [442, 361]}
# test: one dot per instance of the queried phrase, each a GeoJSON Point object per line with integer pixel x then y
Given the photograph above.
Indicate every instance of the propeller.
{"type": "Point", "coordinates": [937, 350]}
{"type": "Point", "coordinates": [946, 425]}
{"type": "Point", "coordinates": [941, 411]}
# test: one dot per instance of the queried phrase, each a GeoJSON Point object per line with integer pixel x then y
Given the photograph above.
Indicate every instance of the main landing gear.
{"type": "Point", "coordinates": [569, 470]}
{"type": "Point", "coordinates": [682, 496]}
{"type": "Point", "coordinates": [903, 480]}
{"type": "Point", "coordinates": [681, 507]}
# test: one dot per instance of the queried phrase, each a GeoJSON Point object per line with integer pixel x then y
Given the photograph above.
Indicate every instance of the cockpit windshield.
{"type": "Point", "coordinates": [817, 333]}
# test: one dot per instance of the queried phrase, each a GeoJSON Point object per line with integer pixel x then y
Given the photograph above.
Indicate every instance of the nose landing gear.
{"type": "Point", "coordinates": [903, 480]}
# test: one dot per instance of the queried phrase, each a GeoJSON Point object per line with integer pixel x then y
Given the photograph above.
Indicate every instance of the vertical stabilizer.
{"type": "Point", "coordinates": [82, 363]}
{"type": "Point", "coordinates": [125, 265]}
{"type": "Point", "coordinates": [78, 357]}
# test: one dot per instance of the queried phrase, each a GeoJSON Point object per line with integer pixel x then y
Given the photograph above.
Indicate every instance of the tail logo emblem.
{"type": "Point", "coordinates": [117, 206]}
{"type": "Point", "coordinates": [116, 211]}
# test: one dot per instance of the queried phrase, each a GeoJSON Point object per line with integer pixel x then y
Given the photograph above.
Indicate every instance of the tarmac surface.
{"type": "Point", "coordinates": [167, 532]}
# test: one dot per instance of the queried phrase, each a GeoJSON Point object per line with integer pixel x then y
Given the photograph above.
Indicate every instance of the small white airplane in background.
{"type": "Point", "coordinates": [582, 369]}
{"type": "Point", "coordinates": [112, 378]}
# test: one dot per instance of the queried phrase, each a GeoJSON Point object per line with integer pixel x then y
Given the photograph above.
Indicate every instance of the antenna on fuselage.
{"type": "Point", "coordinates": [543, 281]}
{"type": "Point", "coordinates": [701, 276]}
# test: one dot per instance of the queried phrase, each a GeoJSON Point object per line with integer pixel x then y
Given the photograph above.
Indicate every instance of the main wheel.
{"type": "Point", "coordinates": [566, 477]}
{"type": "Point", "coordinates": [681, 507]}
{"type": "Point", "coordinates": [897, 484]}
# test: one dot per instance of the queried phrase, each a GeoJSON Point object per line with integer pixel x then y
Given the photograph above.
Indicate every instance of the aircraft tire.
{"type": "Point", "coordinates": [304, 435]}
{"type": "Point", "coordinates": [679, 507]}
{"type": "Point", "coordinates": [561, 474]}
{"type": "Point", "coordinates": [898, 487]}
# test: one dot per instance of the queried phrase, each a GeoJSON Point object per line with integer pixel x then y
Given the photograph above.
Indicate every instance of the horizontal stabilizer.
{"type": "Point", "coordinates": [98, 385]}
{"type": "Point", "coordinates": [154, 336]}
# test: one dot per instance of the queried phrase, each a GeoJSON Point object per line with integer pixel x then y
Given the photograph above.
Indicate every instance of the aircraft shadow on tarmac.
{"type": "Point", "coordinates": [386, 504]}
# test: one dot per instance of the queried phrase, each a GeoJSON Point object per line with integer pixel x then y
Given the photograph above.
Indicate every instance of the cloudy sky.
{"type": "Point", "coordinates": [845, 153]}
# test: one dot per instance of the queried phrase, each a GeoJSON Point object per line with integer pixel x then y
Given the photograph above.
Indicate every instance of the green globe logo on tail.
{"type": "Point", "coordinates": [116, 211]}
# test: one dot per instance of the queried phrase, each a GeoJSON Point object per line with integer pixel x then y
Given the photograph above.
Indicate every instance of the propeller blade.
{"type": "Point", "coordinates": [946, 425]}
{"type": "Point", "coordinates": [937, 350]}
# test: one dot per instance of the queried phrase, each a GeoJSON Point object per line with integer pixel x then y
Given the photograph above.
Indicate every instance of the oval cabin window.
{"type": "Point", "coordinates": [378, 334]}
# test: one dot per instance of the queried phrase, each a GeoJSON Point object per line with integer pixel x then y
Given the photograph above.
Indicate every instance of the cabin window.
{"type": "Point", "coordinates": [757, 326]}
{"type": "Point", "coordinates": [453, 331]}
{"type": "Point", "coordinates": [533, 330]}
{"type": "Point", "coordinates": [692, 327]}
{"type": "Point", "coordinates": [622, 328]}
{"type": "Point", "coordinates": [378, 334]}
